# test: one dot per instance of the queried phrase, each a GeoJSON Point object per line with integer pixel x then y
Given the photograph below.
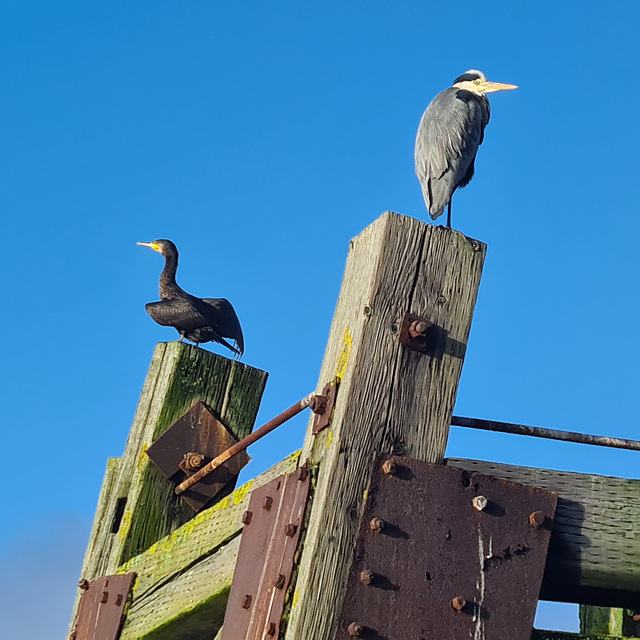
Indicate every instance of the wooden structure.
{"type": "Point", "coordinates": [391, 400]}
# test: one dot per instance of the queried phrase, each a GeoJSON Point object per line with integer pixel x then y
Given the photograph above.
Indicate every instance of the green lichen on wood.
{"type": "Point", "coordinates": [541, 634]}
{"type": "Point", "coordinates": [608, 621]}
{"type": "Point", "coordinates": [231, 390]}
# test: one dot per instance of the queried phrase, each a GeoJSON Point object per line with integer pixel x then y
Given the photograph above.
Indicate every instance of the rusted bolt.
{"type": "Point", "coordinates": [105, 597]}
{"type": "Point", "coordinates": [480, 503]}
{"type": "Point", "coordinates": [367, 576]}
{"type": "Point", "coordinates": [271, 630]}
{"type": "Point", "coordinates": [367, 310]}
{"type": "Point", "coordinates": [318, 405]}
{"type": "Point", "coordinates": [389, 467]}
{"type": "Point", "coordinates": [418, 328]}
{"type": "Point", "coordinates": [355, 629]}
{"type": "Point", "coordinates": [246, 517]}
{"type": "Point", "coordinates": [83, 584]}
{"type": "Point", "coordinates": [191, 461]}
{"type": "Point", "coordinates": [475, 245]}
{"type": "Point", "coordinates": [118, 600]}
{"type": "Point", "coordinates": [246, 603]}
{"type": "Point", "coordinates": [536, 519]}
{"type": "Point", "coordinates": [458, 603]}
{"type": "Point", "coordinates": [279, 583]}
{"type": "Point", "coordinates": [291, 529]}
{"type": "Point", "coordinates": [266, 505]}
{"type": "Point", "coordinates": [376, 524]}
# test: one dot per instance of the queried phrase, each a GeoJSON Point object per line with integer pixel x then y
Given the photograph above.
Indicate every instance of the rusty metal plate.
{"type": "Point", "coordinates": [325, 404]}
{"type": "Point", "coordinates": [101, 609]}
{"type": "Point", "coordinates": [444, 553]}
{"type": "Point", "coordinates": [197, 431]}
{"type": "Point", "coordinates": [265, 558]}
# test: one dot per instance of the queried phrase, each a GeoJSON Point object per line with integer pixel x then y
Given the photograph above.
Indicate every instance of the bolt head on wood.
{"type": "Point", "coordinates": [291, 529]}
{"type": "Point", "coordinates": [418, 328]}
{"type": "Point", "coordinates": [376, 524]}
{"type": "Point", "coordinates": [458, 603]}
{"type": "Point", "coordinates": [367, 576]}
{"type": "Point", "coordinates": [480, 503]}
{"type": "Point", "coordinates": [389, 467]}
{"type": "Point", "coordinates": [83, 584]}
{"type": "Point", "coordinates": [536, 519]}
{"type": "Point", "coordinates": [355, 630]}
{"type": "Point", "coordinates": [246, 517]}
{"type": "Point", "coordinates": [318, 405]}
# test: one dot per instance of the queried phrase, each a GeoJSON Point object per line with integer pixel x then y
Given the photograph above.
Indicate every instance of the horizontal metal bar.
{"type": "Point", "coordinates": [540, 432]}
{"type": "Point", "coordinates": [293, 410]}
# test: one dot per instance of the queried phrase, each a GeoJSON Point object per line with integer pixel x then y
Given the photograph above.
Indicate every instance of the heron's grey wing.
{"type": "Point", "coordinates": [447, 141]}
{"type": "Point", "coordinates": [227, 323]}
{"type": "Point", "coordinates": [181, 314]}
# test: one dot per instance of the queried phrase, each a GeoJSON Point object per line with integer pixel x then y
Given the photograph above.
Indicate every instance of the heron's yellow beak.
{"type": "Point", "coordinates": [152, 245]}
{"type": "Point", "coordinates": [490, 87]}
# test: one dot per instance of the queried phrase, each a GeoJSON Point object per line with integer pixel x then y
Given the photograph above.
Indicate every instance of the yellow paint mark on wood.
{"type": "Point", "coordinates": [125, 525]}
{"type": "Point", "coordinates": [345, 354]}
{"type": "Point", "coordinates": [329, 439]}
{"type": "Point", "coordinates": [143, 458]}
{"type": "Point", "coordinates": [296, 595]}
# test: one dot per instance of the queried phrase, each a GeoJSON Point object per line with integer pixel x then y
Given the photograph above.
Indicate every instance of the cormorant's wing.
{"type": "Point", "coordinates": [450, 132]}
{"type": "Point", "coordinates": [225, 320]}
{"type": "Point", "coordinates": [181, 314]}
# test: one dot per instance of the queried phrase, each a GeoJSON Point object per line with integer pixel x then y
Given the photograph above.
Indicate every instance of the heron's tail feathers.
{"type": "Point", "coordinates": [435, 205]}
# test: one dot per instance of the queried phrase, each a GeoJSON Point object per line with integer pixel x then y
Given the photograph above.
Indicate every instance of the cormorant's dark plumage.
{"type": "Point", "coordinates": [196, 319]}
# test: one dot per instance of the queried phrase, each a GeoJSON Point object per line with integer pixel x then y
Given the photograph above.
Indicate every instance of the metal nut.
{"type": "Point", "coordinates": [480, 503]}
{"type": "Point", "coordinates": [246, 603]}
{"type": "Point", "coordinates": [389, 467]}
{"type": "Point", "coordinates": [355, 629]}
{"type": "Point", "coordinates": [458, 603]}
{"type": "Point", "coordinates": [83, 584]}
{"type": "Point", "coordinates": [376, 524]}
{"type": "Point", "coordinates": [367, 576]}
{"type": "Point", "coordinates": [536, 519]}
{"type": "Point", "coordinates": [418, 328]}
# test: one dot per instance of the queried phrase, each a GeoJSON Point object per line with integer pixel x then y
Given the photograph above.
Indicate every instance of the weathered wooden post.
{"type": "Point", "coordinates": [390, 399]}
{"type": "Point", "coordinates": [137, 505]}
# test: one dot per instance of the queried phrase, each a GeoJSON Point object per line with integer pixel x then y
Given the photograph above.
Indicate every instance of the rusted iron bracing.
{"type": "Point", "coordinates": [444, 553]}
{"type": "Point", "coordinates": [322, 405]}
{"type": "Point", "coordinates": [540, 432]}
{"type": "Point", "coordinates": [101, 609]}
{"type": "Point", "coordinates": [190, 443]}
{"type": "Point", "coordinates": [265, 559]}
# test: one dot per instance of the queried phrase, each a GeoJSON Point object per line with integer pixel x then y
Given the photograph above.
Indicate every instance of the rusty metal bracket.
{"type": "Point", "coordinates": [273, 523]}
{"type": "Point", "coordinates": [191, 442]}
{"type": "Point", "coordinates": [444, 553]}
{"type": "Point", "coordinates": [422, 335]}
{"type": "Point", "coordinates": [323, 406]}
{"type": "Point", "coordinates": [102, 605]}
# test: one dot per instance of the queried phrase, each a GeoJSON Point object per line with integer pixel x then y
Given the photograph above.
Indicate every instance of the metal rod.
{"type": "Point", "coordinates": [245, 442]}
{"type": "Point", "coordinates": [540, 432]}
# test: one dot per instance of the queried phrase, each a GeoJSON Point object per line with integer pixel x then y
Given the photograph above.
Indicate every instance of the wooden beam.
{"type": "Point", "coordinates": [137, 505]}
{"type": "Point", "coordinates": [594, 553]}
{"type": "Point", "coordinates": [184, 579]}
{"type": "Point", "coordinates": [390, 399]}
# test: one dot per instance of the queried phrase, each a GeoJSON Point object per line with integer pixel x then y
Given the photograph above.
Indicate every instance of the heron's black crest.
{"type": "Point", "coordinates": [468, 76]}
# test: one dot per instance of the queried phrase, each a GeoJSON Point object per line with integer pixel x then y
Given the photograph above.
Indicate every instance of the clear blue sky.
{"type": "Point", "coordinates": [260, 137]}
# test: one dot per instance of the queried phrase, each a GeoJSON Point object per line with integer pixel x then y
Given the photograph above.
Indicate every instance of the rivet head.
{"type": "Point", "coordinates": [480, 503]}
{"type": "Point", "coordinates": [389, 467]}
{"type": "Point", "coordinates": [458, 603]}
{"type": "Point", "coordinates": [291, 529]}
{"type": "Point", "coordinates": [355, 629]}
{"type": "Point", "coordinates": [246, 517]}
{"type": "Point", "coordinates": [119, 599]}
{"type": "Point", "coordinates": [367, 576]}
{"type": "Point", "coordinates": [246, 603]}
{"type": "Point", "coordinates": [268, 501]}
{"type": "Point", "coordinates": [105, 597]}
{"type": "Point", "coordinates": [376, 524]}
{"type": "Point", "coordinates": [83, 584]}
{"type": "Point", "coordinates": [271, 629]}
{"type": "Point", "coordinates": [280, 581]}
{"type": "Point", "coordinates": [536, 519]}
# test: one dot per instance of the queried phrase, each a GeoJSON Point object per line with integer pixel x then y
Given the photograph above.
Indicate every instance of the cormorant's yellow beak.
{"type": "Point", "coordinates": [152, 245]}
{"type": "Point", "coordinates": [490, 87]}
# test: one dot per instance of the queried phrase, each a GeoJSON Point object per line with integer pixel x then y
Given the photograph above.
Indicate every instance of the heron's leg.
{"type": "Point", "coordinates": [449, 215]}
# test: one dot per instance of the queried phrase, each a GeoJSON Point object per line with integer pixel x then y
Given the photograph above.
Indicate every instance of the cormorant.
{"type": "Point", "coordinates": [450, 132]}
{"type": "Point", "coordinates": [196, 319]}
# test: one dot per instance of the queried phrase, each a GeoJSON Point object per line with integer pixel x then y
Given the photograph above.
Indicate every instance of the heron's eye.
{"type": "Point", "coordinates": [477, 82]}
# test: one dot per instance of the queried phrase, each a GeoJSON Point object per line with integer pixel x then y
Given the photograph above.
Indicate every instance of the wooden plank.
{"type": "Point", "coordinates": [179, 375]}
{"type": "Point", "coordinates": [199, 537]}
{"type": "Point", "coordinates": [184, 579]}
{"type": "Point", "coordinates": [540, 634]}
{"type": "Point", "coordinates": [594, 554]}
{"type": "Point", "coordinates": [390, 399]}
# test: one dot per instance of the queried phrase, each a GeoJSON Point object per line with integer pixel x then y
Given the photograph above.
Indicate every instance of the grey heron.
{"type": "Point", "coordinates": [450, 132]}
